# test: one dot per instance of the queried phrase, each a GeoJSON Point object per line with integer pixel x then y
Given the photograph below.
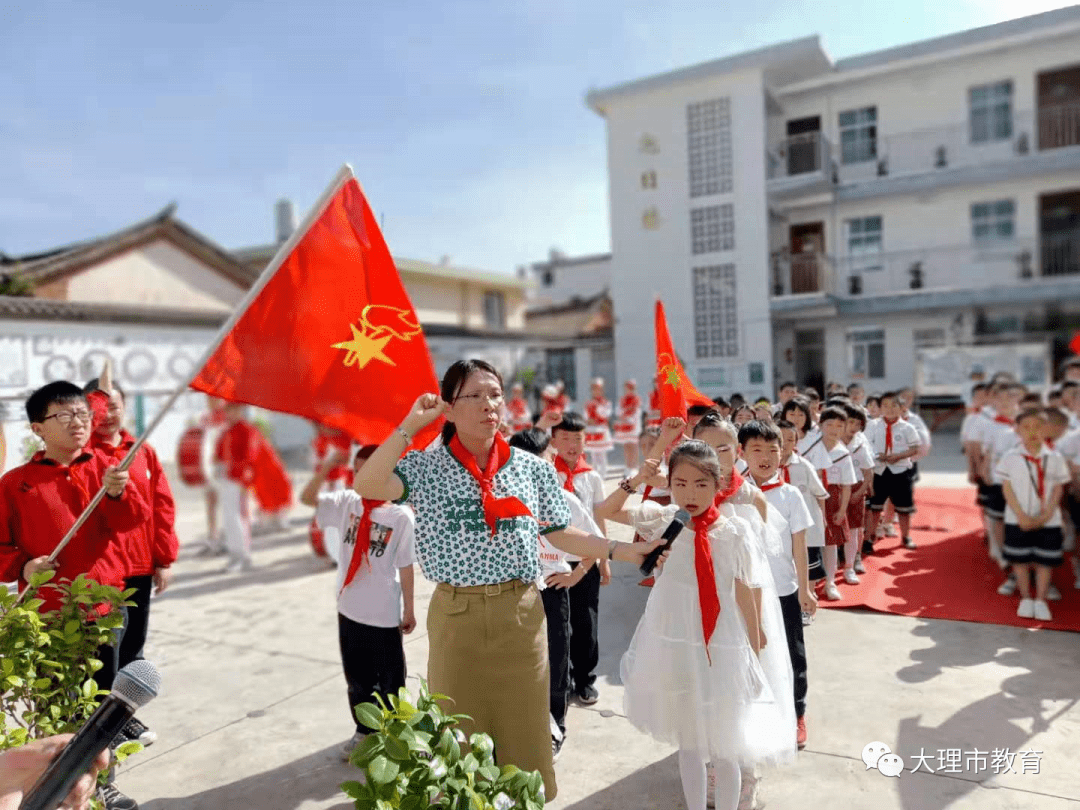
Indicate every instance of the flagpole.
{"type": "Point", "coordinates": [345, 173]}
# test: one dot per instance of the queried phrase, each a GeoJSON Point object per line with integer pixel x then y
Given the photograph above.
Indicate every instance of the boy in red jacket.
{"type": "Point", "coordinates": [43, 498]}
{"type": "Point", "coordinates": [147, 552]}
{"type": "Point", "coordinates": [235, 458]}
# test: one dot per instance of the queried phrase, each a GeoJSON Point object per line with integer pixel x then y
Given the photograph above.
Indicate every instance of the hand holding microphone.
{"type": "Point", "coordinates": [682, 517]}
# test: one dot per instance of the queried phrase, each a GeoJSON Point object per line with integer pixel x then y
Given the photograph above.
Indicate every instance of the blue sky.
{"type": "Point", "coordinates": [464, 120]}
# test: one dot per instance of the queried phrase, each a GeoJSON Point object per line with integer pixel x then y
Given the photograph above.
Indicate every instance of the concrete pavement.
{"type": "Point", "coordinates": [253, 707]}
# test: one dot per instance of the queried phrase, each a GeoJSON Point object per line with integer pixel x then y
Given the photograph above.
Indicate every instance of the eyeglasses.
{"type": "Point", "coordinates": [494, 399]}
{"type": "Point", "coordinates": [65, 418]}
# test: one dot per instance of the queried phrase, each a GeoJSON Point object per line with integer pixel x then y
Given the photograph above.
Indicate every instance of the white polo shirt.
{"type": "Point", "coordinates": [837, 464]}
{"type": "Point", "coordinates": [904, 438]}
{"type": "Point", "coordinates": [1023, 476]}
{"type": "Point", "coordinates": [862, 456]}
{"type": "Point", "coordinates": [998, 439]}
{"type": "Point", "coordinates": [789, 504]}
{"type": "Point", "coordinates": [557, 561]}
{"type": "Point", "coordinates": [923, 430]}
{"type": "Point", "coordinates": [804, 477]}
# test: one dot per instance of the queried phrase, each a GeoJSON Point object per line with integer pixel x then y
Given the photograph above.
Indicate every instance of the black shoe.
{"type": "Point", "coordinates": [135, 731]}
{"type": "Point", "coordinates": [909, 543]}
{"type": "Point", "coordinates": [588, 696]}
{"type": "Point", "coordinates": [113, 799]}
{"type": "Point", "coordinates": [867, 548]}
{"type": "Point", "coordinates": [556, 749]}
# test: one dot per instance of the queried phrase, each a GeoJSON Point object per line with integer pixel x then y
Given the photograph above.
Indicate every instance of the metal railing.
{"type": "Point", "coordinates": [970, 266]}
{"type": "Point", "coordinates": [979, 140]}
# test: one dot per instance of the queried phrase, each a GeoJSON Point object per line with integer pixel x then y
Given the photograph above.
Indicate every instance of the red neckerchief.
{"type": "Point", "coordinates": [1003, 419]}
{"type": "Point", "coordinates": [579, 467]}
{"type": "Point", "coordinates": [363, 541]}
{"type": "Point", "coordinates": [1040, 472]}
{"type": "Point", "coordinates": [733, 487]}
{"type": "Point", "coordinates": [888, 434]}
{"type": "Point", "coordinates": [706, 577]}
{"type": "Point", "coordinates": [495, 509]}
{"type": "Point", "coordinates": [773, 483]}
{"type": "Point", "coordinates": [1050, 443]}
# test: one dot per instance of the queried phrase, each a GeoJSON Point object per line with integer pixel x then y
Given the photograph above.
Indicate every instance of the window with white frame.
{"type": "Point", "coordinates": [494, 310]}
{"type": "Point", "coordinates": [708, 136]}
{"type": "Point", "coordinates": [712, 228]}
{"type": "Point", "coordinates": [866, 353]}
{"type": "Point", "coordinates": [716, 325]}
{"type": "Point", "coordinates": [864, 239]}
{"type": "Point", "coordinates": [990, 112]}
{"type": "Point", "coordinates": [993, 221]}
{"type": "Point", "coordinates": [858, 135]}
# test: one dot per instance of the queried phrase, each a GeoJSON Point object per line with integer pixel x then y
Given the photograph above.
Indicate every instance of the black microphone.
{"type": "Point", "coordinates": [670, 533]}
{"type": "Point", "coordinates": [135, 686]}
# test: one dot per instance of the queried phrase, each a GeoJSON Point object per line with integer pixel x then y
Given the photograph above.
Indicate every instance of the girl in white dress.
{"type": "Point", "coordinates": [707, 669]}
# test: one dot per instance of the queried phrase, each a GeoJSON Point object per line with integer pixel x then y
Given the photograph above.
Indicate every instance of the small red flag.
{"type": "Point", "coordinates": [1074, 344]}
{"type": "Point", "coordinates": [676, 390]}
{"type": "Point", "coordinates": [332, 336]}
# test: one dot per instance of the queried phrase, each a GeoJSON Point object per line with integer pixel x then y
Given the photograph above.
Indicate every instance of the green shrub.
{"type": "Point", "coordinates": [418, 758]}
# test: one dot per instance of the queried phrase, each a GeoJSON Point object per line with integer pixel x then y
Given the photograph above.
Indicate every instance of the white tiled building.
{"type": "Point", "coordinates": [810, 219]}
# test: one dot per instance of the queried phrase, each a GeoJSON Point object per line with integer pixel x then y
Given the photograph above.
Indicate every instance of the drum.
{"type": "Point", "coordinates": [189, 457]}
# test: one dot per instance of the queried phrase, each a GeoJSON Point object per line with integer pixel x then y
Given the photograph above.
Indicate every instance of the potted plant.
{"type": "Point", "coordinates": [916, 274]}
{"type": "Point", "coordinates": [417, 757]}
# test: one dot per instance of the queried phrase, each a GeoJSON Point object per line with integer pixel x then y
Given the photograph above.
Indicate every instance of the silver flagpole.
{"type": "Point", "coordinates": [343, 176]}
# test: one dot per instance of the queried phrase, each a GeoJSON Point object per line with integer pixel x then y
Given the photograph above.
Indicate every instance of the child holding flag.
{"type": "Point", "coordinates": [374, 584]}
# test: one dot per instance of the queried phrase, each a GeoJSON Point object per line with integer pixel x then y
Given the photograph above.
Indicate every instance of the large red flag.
{"type": "Point", "coordinates": [676, 390]}
{"type": "Point", "coordinates": [332, 336]}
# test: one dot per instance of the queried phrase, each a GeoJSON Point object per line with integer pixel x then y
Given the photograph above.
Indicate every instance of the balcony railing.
{"type": "Point", "coordinates": [972, 266]}
{"type": "Point", "coordinates": [980, 140]}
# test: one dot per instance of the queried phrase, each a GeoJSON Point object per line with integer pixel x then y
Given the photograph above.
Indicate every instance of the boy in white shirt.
{"type": "Point", "coordinates": [760, 446]}
{"type": "Point", "coordinates": [1032, 477]}
{"type": "Point", "coordinates": [997, 437]}
{"type": "Point", "coordinates": [568, 441]}
{"type": "Point", "coordinates": [374, 584]}
{"type": "Point", "coordinates": [804, 476]}
{"type": "Point", "coordinates": [831, 457]}
{"type": "Point", "coordinates": [894, 444]}
{"type": "Point", "coordinates": [863, 459]}
{"type": "Point", "coordinates": [557, 578]}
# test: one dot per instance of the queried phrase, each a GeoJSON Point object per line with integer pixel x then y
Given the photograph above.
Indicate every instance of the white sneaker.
{"type": "Point", "coordinates": [1053, 594]}
{"type": "Point", "coordinates": [890, 531]}
{"type": "Point", "coordinates": [1026, 609]}
{"type": "Point", "coordinates": [832, 593]}
{"type": "Point", "coordinates": [850, 577]}
{"type": "Point", "coordinates": [1042, 611]}
{"type": "Point", "coordinates": [1007, 588]}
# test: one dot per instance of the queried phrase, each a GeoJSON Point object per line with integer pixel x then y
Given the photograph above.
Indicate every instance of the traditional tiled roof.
{"type": "Point", "coordinates": [47, 309]}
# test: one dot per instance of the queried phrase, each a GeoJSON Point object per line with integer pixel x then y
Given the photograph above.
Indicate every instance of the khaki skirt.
{"type": "Point", "coordinates": [488, 652]}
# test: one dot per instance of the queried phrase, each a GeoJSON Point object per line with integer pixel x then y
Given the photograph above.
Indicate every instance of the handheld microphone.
{"type": "Point", "coordinates": [135, 686]}
{"type": "Point", "coordinates": [677, 524]}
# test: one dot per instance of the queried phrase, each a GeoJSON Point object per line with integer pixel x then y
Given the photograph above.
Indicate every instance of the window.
{"type": "Point", "coordinates": [560, 366]}
{"type": "Point", "coordinates": [547, 278]}
{"type": "Point", "coordinates": [863, 243]}
{"type": "Point", "coordinates": [716, 326]}
{"type": "Point", "coordinates": [866, 354]}
{"type": "Point", "coordinates": [648, 180]}
{"type": "Point", "coordinates": [494, 310]}
{"type": "Point", "coordinates": [708, 135]}
{"type": "Point", "coordinates": [932, 336]}
{"type": "Point", "coordinates": [712, 228]}
{"type": "Point", "coordinates": [990, 112]}
{"type": "Point", "coordinates": [992, 221]}
{"type": "Point", "coordinates": [858, 135]}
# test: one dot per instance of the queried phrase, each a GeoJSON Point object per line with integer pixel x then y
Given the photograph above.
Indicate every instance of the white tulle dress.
{"type": "Point", "coordinates": [740, 707]}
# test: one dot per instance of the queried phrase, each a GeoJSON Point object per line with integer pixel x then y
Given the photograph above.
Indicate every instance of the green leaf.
{"type": "Point", "coordinates": [365, 750]}
{"type": "Point", "coordinates": [382, 770]}
{"type": "Point", "coordinates": [125, 750]}
{"type": "Point", "coordinates": [470, 764]}
{"type": "Point", "coordinates": [7, 666]}
{"type": "Point", "coordinates": [369, 715]}
{"type": "Point", "coordinates": [41, 577]}
{"type": "Point", "coordinates": [396, 748]}
{"type": "Point", "coordinates": [13, 681]}
{"type": "Point", "coordinates": [71, 627]}
{"type": "Point", "coordinates": [352, 789]}
{"type": "Point", "coordinates": [535, 782]}
{"type": "Point", "coordinates": [489, 772]}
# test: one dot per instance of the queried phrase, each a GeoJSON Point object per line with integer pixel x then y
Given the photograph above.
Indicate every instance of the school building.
{"type": "Point", "coordinates": [820, 219]}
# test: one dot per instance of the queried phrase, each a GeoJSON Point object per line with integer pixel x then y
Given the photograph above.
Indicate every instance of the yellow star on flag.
{"type": "Point", "coordinates": [363, 348]}
{"type": "Point", "coordinates": [672, 378]}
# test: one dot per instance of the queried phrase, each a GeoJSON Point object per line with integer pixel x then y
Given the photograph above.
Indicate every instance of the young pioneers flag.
{"type": "Point", "coordinates": [331, 334]}
{"type": "Point", "coordinates": [676, 390]}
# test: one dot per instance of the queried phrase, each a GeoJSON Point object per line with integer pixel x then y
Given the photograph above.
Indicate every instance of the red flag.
{"type": "Point", "coordinates": [1074, 344]}
{"type": "Point", "coordinates": [332, 336]}
{"type": "Point", "coordinates": [676, 390]}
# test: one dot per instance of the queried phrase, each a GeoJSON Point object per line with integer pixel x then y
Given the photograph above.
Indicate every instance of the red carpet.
{"type": "Point", "coordinates": [949, 575]}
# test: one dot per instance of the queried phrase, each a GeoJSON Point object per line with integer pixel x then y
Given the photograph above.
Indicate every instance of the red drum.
{"type": "Point", "coordinates": [189, 457]}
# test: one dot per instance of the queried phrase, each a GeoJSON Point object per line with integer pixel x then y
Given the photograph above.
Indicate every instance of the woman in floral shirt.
{"type": "Point", "coordinates": [480, 508]}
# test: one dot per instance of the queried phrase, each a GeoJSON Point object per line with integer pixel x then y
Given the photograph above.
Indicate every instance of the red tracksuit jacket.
{"type": "Point", "coordinates": [41, 500]}
{"type": "Point", "coordinates": [152, 545]}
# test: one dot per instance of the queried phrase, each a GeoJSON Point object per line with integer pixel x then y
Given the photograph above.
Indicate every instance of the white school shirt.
{"type": "Point", "coordinates": [807, 441]}
{"type": "Point", "coordinates": [788, 502]}
{"type": "Point", "coordinates": [904, 437]}
{"type": "Point", "coordinates": [837, 464]}
{"type": "Point", "coordinates": [1001, 439]}
{"type": "Point", "coordinates": [1023, 477]}
{"type": "Point", "coordinates": [374, 595]}
{"type": "Point", "coordinates": [588, 486]}
{"type": "Point", "coordinates": [979, 424]}
{"type": "Point", "coordinates": [554, 560]}
{"type": "Point", "coordinates": [805, 478]}
{"type": "Point", "coordinates": [921, 428]}
{"type": "Point", "coordinates": [1069, 447]}
{"type": "Point", "coordinates": [862, 456]}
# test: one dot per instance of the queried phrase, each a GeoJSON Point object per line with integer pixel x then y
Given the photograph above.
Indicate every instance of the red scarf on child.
{"type": "Point", "coordinates": [779, 482]}
{"type": "Point", "coordinates": [1040, 472]}
{"type": "Point", "coordinates": [363, 540]}
{"type": "Point", "coordinates": [732, 487]}
{"type": "Point", "coordinates": [579, 467]}
{"type": "Point", "coordinates": [495, 509]}
{"type": "Point", "coordinates": [888, 433]}
{"type": "Point", "coordinates": [708, 598]}
{"type": "Point", "coordinates": [1003, 419]}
